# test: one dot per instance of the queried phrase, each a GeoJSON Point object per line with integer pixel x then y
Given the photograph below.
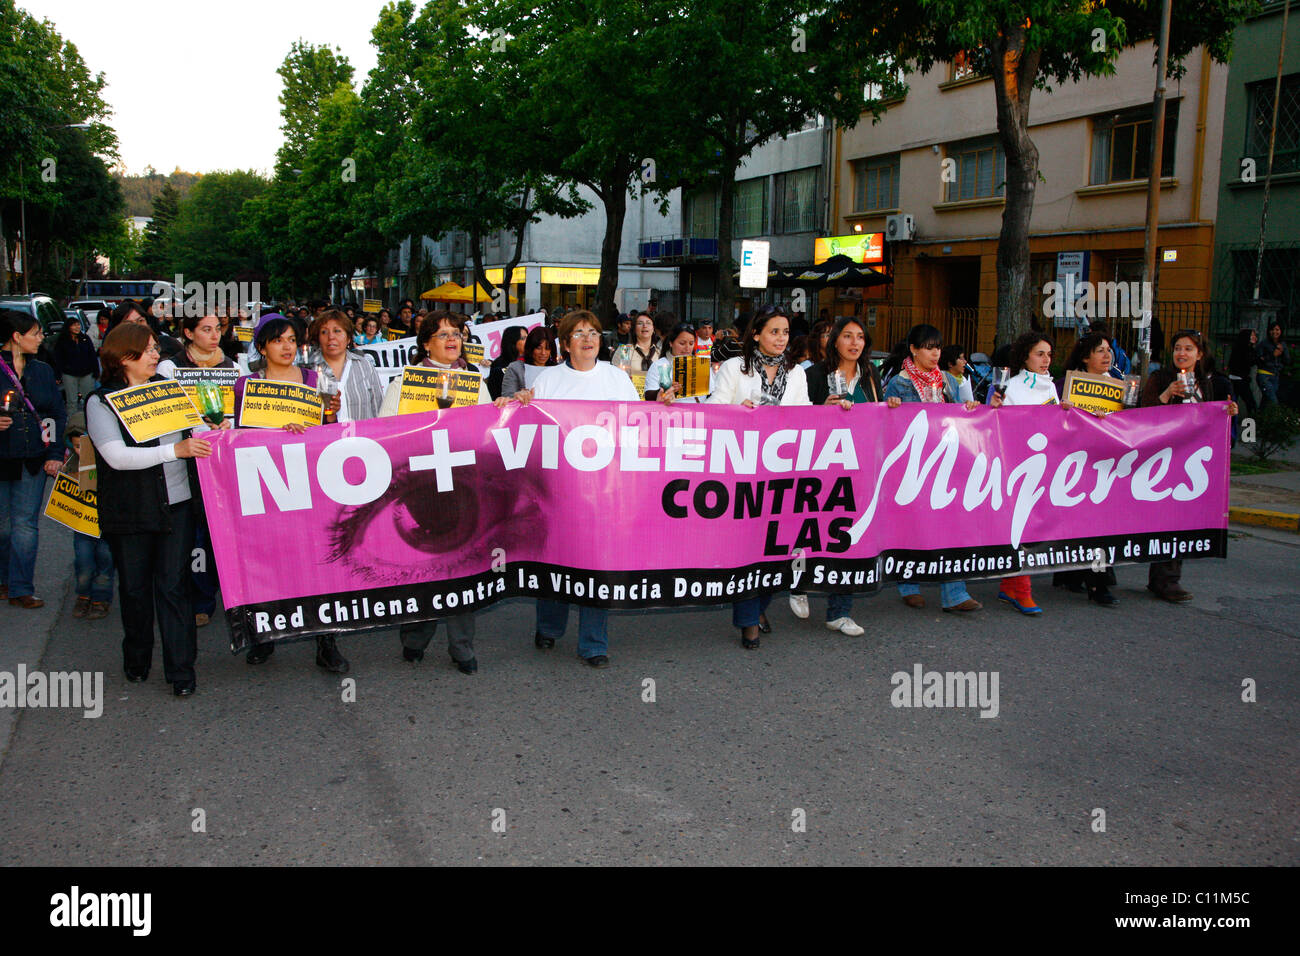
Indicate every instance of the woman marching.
{"type": "Point", "coordinates": [360, 390]}
{"type": "Point", "coordinates": [659, 384]}
{"type": "Point", "coordinates": [844, 377]}
{"type": "Point", "coordinates": [537, 355]}
{"type": "Point", "coordinates": [202, 349]}
{"type": "Point", "coordinates": [1030, 384]}
{"type": "Point", "coordinates": [31, 448]}
{"type": "Point", "coordinates": [74, 357]}
{"type": "Point", "coordinates": [146, 494]}
{"type": "Point", "coordinates": [581, 376]}
{"type": "Point", "coordinates": [440, 340]}
{"type": "Point", "coordinates": [1091, 354]}
{"type": "Point", "coordinates": [277, 343]}
{"type": "Point", "coordinates": [919, 379]}
{"type": "Point", "coordinates": [1168, 386]}
{"type": "Point", "coordinates": [763, 374]}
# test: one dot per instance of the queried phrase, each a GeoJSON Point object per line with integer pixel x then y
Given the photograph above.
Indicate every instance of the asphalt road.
{"type": "Point", "coordinates": [1136, 711]}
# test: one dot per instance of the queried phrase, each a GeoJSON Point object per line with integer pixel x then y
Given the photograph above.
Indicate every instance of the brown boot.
{"type": "Point", "coordinates": [81, 607]}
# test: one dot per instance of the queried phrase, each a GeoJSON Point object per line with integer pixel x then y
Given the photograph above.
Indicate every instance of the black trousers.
{"type": "Point", "coordinates": [1164, 575]}
{"type": "Point", "coordinates": [153, 574]}
{"type": "Point", "coordinates": [460, 635]}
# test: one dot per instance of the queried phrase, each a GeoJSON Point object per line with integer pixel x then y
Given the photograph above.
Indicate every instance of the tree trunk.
{"type": "Point", "coordinates": [614, 197]}
{"type": "Point", "coordinates": [476, 252]}
{"type": "Point", "coordinates": [521, 224]}
{"type": "Point", "coordinates": [1013, 82]}
{"type": "Point", "coordinates": [726, 207]}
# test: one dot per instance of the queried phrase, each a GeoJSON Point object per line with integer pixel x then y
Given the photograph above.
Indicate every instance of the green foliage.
{"type": "Point", "coordinates": [155, 258]}
{"type": "Point", "coordinates": [1276, 429]}
{"type": "Point", "coordinates": [45, 87]}
{"type": "Point", "coordinates": [209, 241]}
{"type": "Point", "coordinates": [138, 192]}
{"type": "Point", "coordinates": [310, 74]}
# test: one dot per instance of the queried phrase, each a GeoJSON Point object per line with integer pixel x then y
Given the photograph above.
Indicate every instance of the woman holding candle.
{"type": "Point", "coordinates": [1183, 382]}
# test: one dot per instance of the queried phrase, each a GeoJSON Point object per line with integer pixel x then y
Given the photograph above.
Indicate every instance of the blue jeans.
{"type": "Point", "coordinates": [745, 613]}
{"type": "Point", "coordinates": [1267, 388]}
{"type": "Point", "coordinates": [20, 510]}
{"type": "Point", "coordinates": [593, 626]}
{"type": "Point", "coordinates": [94, 567]}
{"type": "Point", "coordinates": [838, 606]}
{"type": "Point", "coordinates": [951, 593]}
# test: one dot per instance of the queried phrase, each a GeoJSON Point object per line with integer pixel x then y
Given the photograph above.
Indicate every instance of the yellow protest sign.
{"type": "Point", "coordinates": [225, 378]}
{"type": "Point", "coordinates": [691, 372]}
{"type": "Point", "coordinates": [244, 333]}
{"type": "Point", "coordinates": [638, 380]}
{"type": "Point", "coordinates": [1099, 394]}
{"type": "Point", "coordinates": [473, 352]}
{"type": "Point", "coordinates": [154, 409]}
{"type": "Point", "coordinates": [422, 389]}
{"type": "Point", "coordinates": [372, 305]}
{"type": "Point", "coordinates": [269, 404]}
{"type": "Point", "coordinates": [72, 507]}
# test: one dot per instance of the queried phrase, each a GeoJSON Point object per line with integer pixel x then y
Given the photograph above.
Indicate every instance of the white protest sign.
{"type": "Point", "coordinates": [390, 358]}
{"type": "Point", "coordinates": [753, 263]}
{"type": "Point", "coordinates": [489, 333]}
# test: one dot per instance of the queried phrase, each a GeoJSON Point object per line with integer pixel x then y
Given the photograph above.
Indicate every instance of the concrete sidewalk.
{"type": "Point", "coordinates": [1270, 500]}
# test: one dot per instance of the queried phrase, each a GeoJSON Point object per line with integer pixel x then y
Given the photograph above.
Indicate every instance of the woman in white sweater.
{"type": "Point", "coordinates": [765, 373]}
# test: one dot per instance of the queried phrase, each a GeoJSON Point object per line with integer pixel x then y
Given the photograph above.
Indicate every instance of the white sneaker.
{"type": "Point", "coordinates": [799, 605]}
{"type": "Point", "coordinates": [845, 625]}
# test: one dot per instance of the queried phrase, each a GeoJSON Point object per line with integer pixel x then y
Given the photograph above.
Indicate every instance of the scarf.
{"type": "Point", "coordinates": [774, 390]}
{"type": "Point", "coordinates": [204, 359]}
{"type": "Point", "coordinates": [921, 378]}
{"type": "Point", "coordinates": [1030, 388]}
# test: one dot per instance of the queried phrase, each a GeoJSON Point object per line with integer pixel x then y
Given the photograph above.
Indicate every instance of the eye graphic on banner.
{"type": "Point", "coordinates": [435, 528]}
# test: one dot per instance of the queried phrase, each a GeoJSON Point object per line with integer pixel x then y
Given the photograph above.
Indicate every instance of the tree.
{"type": "Point", "coordinates": [44, 86]}
{"type": "Point", "coordinates": [310, 74]}
{"type": "Point", "coordinates": [452, 163]}
{"type": "Point", "coordinates": [155, 257]}
{"type": "Point", "coordinates": [760, 70]}
{"type": "Point", "coordinates": [1025, 45]}
{"type": "Point", "coordinates": [597, 87]}
{"type": "Point", "coordinates": [208, 241]}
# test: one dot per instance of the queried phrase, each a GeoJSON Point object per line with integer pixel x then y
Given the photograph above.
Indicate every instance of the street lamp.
{"type": "Point", "coordinates": [22, 204]}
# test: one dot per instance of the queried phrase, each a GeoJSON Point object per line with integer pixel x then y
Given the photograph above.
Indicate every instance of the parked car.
{"type": "Point", "coordinates": [42, 308]}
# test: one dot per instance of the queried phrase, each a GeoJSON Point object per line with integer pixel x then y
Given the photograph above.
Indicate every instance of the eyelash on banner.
{"type": "Point", "coordinates": [496, 502]}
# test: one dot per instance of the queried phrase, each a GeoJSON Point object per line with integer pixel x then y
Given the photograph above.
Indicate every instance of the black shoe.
{"type": "Point", "coordinates": [328, 656]}
{"type": "Point", "coordinates": [542, 643]}
{"type": "Point", "coordinates": [764, 624]}
{"type": "Point", "coordinates": [1074, 586]}
{"type": "Point", "coordinates": [411, 655]}
{"type": "Point", "coordinates": [600, 660]}
{"type": "Point", "coordinates": [259, 653]}
{"type": "Point", "coordinates": [748, 643]}
{"type": "Point", "coordinates": [1103, 597]}
{"type": "Point", "coordinates": [468, 667]}
{"type": "Point", "coordinates": [183, 688]}
{"type": "Point", "coordinates": [136, 677]}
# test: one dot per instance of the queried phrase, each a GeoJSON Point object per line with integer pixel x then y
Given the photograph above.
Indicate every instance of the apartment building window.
{"type": "Point", "coordinates": [796, 201]}
{"type": "Point", "coordinates": [980, 171]}
{"type": "Point", "coordinates": [1259, 123]}
{"type": "Point", "coordinates": [895, 87]}
{"type": "Point", "coordinates": [875, 183]}
{"type": "Point", "coordinates": [749, 213]}
{"type": "Point", "coordinates": [1121, 145]}
{"type": "Point", "coordinates": [962, 67]}
{"type": "Point", "coordinates": [702, 214]}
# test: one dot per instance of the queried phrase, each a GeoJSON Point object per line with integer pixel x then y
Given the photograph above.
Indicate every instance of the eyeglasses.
{"type": "Point", "coordinates": [446, 336]}
{"type": "Point", "coordinates": [151, 350]}
{"type": "Point", "coordinates": [585, 334]}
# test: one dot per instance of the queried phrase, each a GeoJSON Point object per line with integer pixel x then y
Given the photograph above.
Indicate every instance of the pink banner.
{"type": "Point", "coordinates": [375, 523]}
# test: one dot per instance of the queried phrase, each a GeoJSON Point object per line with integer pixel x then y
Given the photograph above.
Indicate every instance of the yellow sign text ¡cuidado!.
{"type": "Point", "coordinates": [1098, 394]}
{"type": "Point", "coordinates": [270, 404]}
{"type": "Point", "coordinates": [421, 389]}
{"type": "Point", "coordinates": [72, 507]}
{"type": "Point", "coordinates": [154, 409]}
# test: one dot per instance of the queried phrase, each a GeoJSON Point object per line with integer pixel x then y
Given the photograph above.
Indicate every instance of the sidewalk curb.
{"type": "Point", "coordinates": [1283, 520]}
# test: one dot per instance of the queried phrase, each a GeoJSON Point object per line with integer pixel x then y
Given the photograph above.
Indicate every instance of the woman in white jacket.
{"type": "Point", "coordinates": [764, 373]}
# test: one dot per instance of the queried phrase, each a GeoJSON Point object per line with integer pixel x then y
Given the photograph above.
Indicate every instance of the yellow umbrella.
{"type": "Point", "coordinates": [446, 292]}
{"type": "Point", "coordinates": [467, 295]}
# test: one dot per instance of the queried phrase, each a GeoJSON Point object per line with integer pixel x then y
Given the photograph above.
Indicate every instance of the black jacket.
{"type": "Point", "coordinates": [819, 388]}
{"type": "Point", "coordinates": [75, 357]}
{"type": "Point", "coordinates": [23, 440]}
{"type": "Point", "coordinates": [134, 502]}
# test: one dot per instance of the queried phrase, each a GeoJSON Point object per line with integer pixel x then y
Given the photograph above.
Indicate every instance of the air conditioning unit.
{"type": "Point", "coordinates": [899, 228]}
